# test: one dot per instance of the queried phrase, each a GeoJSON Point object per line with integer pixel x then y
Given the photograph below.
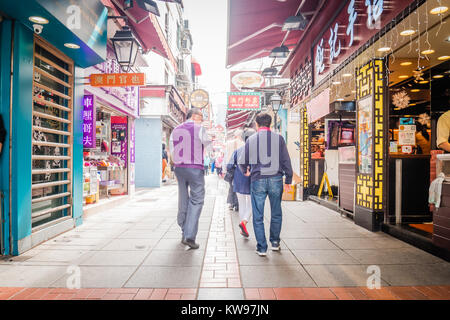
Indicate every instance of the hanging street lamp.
{"type": "Point", "coordinates": [125, 47]}
{"type": "Point", "coordinates": [275, 100]}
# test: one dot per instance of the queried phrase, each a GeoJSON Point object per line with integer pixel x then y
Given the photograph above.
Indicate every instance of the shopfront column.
{"type": "Point", "coordinates": [304, 149]}
{"type": "Point", "coordinates": [370, 171]}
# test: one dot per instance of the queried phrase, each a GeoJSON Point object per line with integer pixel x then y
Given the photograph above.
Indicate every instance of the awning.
{"type": "Point", "coordinates": [255, 27]}
{"type": "Point", "coordinates": [197, 68]}
{"type": "Point", "coordinates": [146, 29]}
{"type": "Point", "coordinates": [236, 119]}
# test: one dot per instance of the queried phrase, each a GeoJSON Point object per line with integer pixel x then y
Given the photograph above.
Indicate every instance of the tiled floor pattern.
{"type": "Point", "coordinates": [220, 266]}
{"type": "Point", "coordinates": [134, 252]}
{"type": "Point", "coordinates": [342, 293]}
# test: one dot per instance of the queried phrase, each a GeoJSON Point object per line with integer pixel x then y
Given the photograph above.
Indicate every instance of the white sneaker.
{"type": "Point", "coordinates": [261, 254]}
{"type": "Point", "coordinates": [276, 247]}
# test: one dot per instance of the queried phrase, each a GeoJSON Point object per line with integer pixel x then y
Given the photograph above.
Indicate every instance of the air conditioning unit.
{"type": "Point", "coordinates": [186, 24]}
{"type": "Point", "coordinates": [184, 44]}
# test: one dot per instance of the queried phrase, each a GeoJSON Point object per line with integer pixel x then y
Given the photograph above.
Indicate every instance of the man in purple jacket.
{"type": "Point", "coordinates": [188, 142]}
{"type": "Point", "coordinates": [267, 156]}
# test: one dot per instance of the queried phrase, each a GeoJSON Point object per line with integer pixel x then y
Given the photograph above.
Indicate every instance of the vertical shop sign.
{"type": "Point", "coordinates": [119, 133]}
{"type": "Point", "coordinates": [88, 122]}
{"type": "Point", "coordinates": [365, 135]}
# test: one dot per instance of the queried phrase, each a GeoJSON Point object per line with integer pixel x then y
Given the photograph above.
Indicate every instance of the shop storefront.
{"type": "Point", "coordinates": [392, 69]}
{"type": "Point", "coordinates": [41, 164]}
{"type": "Point", "coordinates": [108, 142]}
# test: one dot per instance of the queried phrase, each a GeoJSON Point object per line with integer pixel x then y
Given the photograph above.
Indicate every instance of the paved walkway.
{"type": "Point", "coordinates": [134, 252]}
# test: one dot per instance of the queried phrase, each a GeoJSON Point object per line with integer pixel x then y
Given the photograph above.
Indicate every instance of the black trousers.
{"type": "Point", "coordinates": [232, 198]}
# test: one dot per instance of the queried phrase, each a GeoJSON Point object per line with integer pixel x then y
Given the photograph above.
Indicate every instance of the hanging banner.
{"type": "Point", "coordinates": [244, 101]}
{"type": "Point", "coordinates": [88, 122]}
{"type": "Point", "coordinates": [117, 79]}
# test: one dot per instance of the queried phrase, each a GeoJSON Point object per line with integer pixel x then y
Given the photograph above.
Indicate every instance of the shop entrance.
{"type": "Point", "coordinates": [415, 107]}
{"type": "Point", "coordinates": [332, 164]}
{"type": "Point", "coordinates": [105, 166]}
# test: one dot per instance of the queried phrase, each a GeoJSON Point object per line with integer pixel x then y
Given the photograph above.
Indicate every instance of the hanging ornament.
{"type": "Point", "coordinates": [424, 119]}
{"type": "Point", "coordinates": [418, 75]}
{"type": "Point", "coordinates": [401, 100]}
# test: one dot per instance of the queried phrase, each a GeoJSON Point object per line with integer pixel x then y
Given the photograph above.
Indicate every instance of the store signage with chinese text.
{"type": "Point", "coordinates": [126, 99]}
{"type": "Point", "coordinates": [117, 79]}
{"type": "Point", "coordinates": [357, 22]}
{"type": "Point", "coordinates": [244, 101]}
{"type": "Point", "coordinates": [88, 122]}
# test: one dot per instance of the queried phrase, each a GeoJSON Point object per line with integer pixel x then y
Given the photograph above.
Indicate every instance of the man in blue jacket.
{"type": "Point", "coordinates": [267, 157]}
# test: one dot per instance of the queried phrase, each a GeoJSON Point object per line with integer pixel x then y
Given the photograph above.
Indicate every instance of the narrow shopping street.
{"type": "Point", "coordinates": [134, 252]}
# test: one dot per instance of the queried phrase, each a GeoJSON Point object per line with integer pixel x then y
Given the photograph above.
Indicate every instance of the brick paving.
{"type": "Point", "coordinates": [133, 252]}
{"type": "Point", "coordinates": [355, 293]}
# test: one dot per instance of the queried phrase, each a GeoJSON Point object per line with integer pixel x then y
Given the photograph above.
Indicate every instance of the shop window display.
{"type": "Point", "coordinates": [105, 166]}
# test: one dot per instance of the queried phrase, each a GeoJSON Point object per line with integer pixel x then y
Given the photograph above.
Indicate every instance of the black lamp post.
{"type": "Point", "coordinates": [125, 47]}
{"type": "Point", "coordinates": [275, 100]}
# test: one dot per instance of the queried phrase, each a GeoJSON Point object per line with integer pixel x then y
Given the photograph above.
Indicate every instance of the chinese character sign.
{"type": "Point", "coordinates": [117, 79]}
{"type": "Point", "coordinates": [244, 101]}
{"type": "Point", "coordinates": [354, 25]}
{"type": "Point", "coordinates": [88, 122]}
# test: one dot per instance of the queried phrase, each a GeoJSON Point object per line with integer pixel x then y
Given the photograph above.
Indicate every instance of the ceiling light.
{"type": "Point", "coordinates": [438, 76]}
{"type": "Point", "coordinates": [415, 90]}
{"type": "Point", "coordinates": [403, 76]}
{"type": "Point", "coordinates": [340, 99]}
{"type": "Point", "coordinates": [279, 52]}
{"type": "Point", "coordinates": [71, 46]}
{"type": "Point", "coordinates": [429, 51]}
{"type": "Point", "coordinates": [407, 63]}
{"type": "Point", "coordinates": [353, 91]}
{"type": "Point", "coordinates": [297, 22]}
{"type": "Point", "coordinates": [347, 75]}
{"type": "Point", "coordinates": [37, 19]}
{"type": "Point", "coordinates": [438, 10]}
{"type": "Point", "coordinates": [444, 58]}
{"type": "Point", "coordinates": [384, 49]}
{"type": "Point", "coordinates": [408, 32]}
{"type": "Point", "coordinates": [423, 81]}
{"type": "Point", "coordinates": [336, 82]}
{"type": "Point", "coordinates": [412, 104]}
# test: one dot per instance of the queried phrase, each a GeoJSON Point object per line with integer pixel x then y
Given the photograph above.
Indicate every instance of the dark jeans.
{"type": "Point", "coordinates": [191, 196]}
{"type": "Point", "coordinates": [260, 189]}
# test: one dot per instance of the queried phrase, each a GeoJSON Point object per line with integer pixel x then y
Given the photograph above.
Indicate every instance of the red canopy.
{"type": "Point", "coordinates": [255, 26]}
{"type": "Point", "coordinates": [236, 118]}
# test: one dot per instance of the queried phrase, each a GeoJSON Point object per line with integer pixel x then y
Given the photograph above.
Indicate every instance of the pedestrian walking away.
{"type": "Point", "coordinates": [165, 160]}
{"type": "Point", "coordinates": [241, 185]}
{"type": "Point", "coordinates": [206, 164]}
{"type": "Point", "coordinates": [267, 157]}
{"type": "Point", "coordinates": [188, 142]}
